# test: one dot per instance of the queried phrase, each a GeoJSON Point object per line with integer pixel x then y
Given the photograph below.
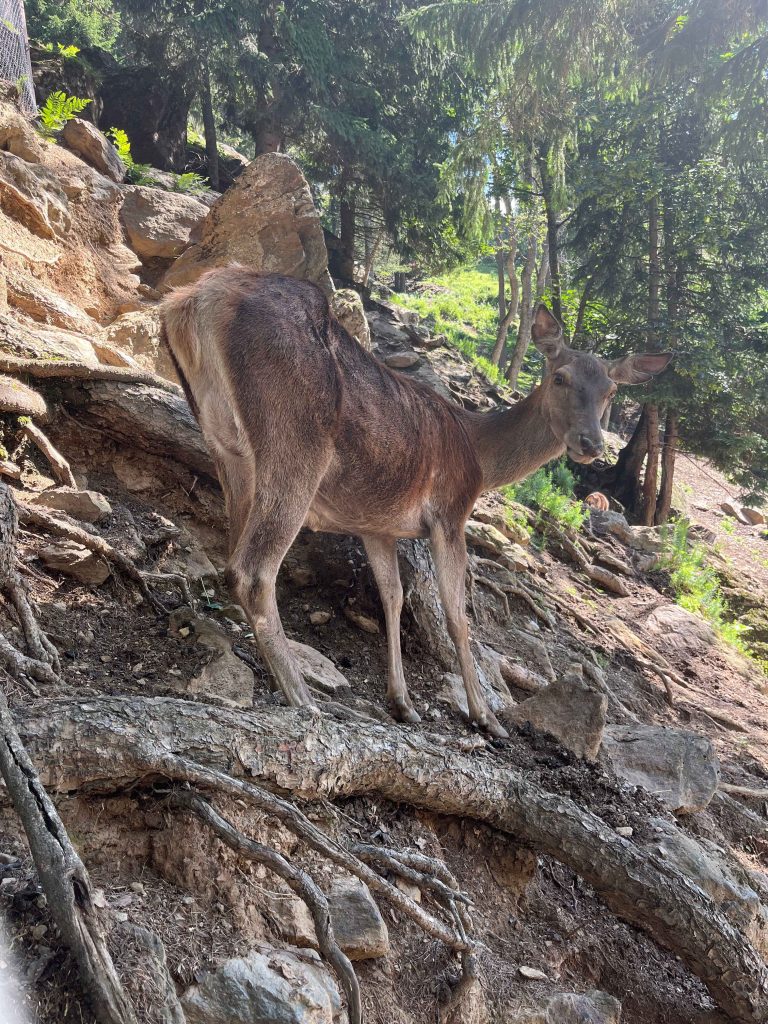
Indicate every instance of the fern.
{"type": "Point", "coordinates": [57, 110]}
{"type": "Point", "coordinates": [136, 174]}
{"type": "Point", "coordinates": [189, 182]}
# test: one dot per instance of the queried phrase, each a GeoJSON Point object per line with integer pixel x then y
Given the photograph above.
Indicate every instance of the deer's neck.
{"type": "Point", "coordinates": [514, 442]}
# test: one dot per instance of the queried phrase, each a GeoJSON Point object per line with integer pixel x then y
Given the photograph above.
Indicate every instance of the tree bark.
{"type": "Point", "coordinates": [626, 476]}
{"type": "Point", "coordinates": [106, 742]}
{"type": "Point", "coordinates": [548, 193]}
{"type": "Point", "coordinates": [526, 313]}
{"type": "Point", "coordinates": [664, 502]}
{"type": "Point", "coordinates": [347, 237]}
{"type": "Point", "coordinates": [647, 507]}
{"type": "Point", "coordinates": [209, 127]}
{"type": "Point", "coordinates": [507, 313]}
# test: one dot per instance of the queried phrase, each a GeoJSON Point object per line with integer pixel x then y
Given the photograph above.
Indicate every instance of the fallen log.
{"type": "Point", "coordinates": [111, 742]}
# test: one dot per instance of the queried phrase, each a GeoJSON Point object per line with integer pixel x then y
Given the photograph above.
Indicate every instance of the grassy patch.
{"type": "Point", "coordinates": [550, 490]}
{"type": "Point", "coordinates": [697, 587]}
{"type": "Point", "coordinates": [463, 305]}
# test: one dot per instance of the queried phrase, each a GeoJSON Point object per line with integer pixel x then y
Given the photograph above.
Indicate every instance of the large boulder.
{"type": "Point", "coordinates": [593, 1007]}
{"type": "Point", "coordinates": [269, 986]}
{"type": "Point", "coordinates": [677, 766]}
{"type": "Point", "coordinates": [266, 221]}
{"type": "Point", "coordinates": [571, 710]}
{"type": "Point", "coordinates": [94, 147]}
{"type": "Point", "coordinates": [138, 335]}
{"type": "Point", "coordinates": [32, 195]}
{"type": "Point", "coordinates": [680, 633]}
{"type": "Point", "coordinates": [45, 305]}
{"type": "Point", "coordinates": [160, 224]}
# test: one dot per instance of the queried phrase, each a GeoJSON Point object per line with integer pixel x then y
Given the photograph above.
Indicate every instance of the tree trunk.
{"type": "Point", "coordinates": [347, 236]}
{"type": "Point", "coordinates": [629, 465]}
{"type": "Point", "coordinates": [548, 192]}
{"type": "Point", "coordinates": [585, 296]}
{"type": "Point", "coordinates": [647, 508]}
{"type": "Point", "coordinates": [114, 742]}
{"type": "Point", "coordinates": [371, 256]}
{"type": "Point", "coordinates": [664, 502]}
{"type": "Point", "coordinates": [526, 314]}
{"type": "Point", "coordinates": [209, 126]}
{"type": "Point", "coordinates": [511, 311]}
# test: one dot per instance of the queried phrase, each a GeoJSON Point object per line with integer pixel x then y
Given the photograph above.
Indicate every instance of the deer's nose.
{"type": "Point", "coordinates": [589, 446]}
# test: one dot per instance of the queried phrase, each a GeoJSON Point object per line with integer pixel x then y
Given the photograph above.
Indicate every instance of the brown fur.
{"type": "Point", "coordinates": [307, 428]}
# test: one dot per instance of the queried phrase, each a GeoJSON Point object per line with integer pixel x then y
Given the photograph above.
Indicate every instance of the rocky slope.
{"type": "Point", "coordinates": [628, 716]}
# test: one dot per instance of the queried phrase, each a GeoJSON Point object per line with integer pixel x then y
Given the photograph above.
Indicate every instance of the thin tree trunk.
{"type": "Point", "coordinates": [511, 311]}
{"type": "Point", "coordinates": [372, 254]}
{"type": "Point", "coordinates": [651, 478]}
{"type": "Point", "coordinates": [585, 296]}
{"type": "Point", "coordinates": [664, 501]}
{"type": "Point", "coordinates": [209, 126]}
{"type": "Point", "coordinates": [347, 234]}
{"type": "Point", "coordinates": [542, 275]}
{"type": "Point", "coordinates": [501, 281]}
{"type": "Point", "coordinates": [647, 509]}
{"type": "Point", "coordinates": [526, 314]}
{"type": "Point", "coordinates": [548, 192]}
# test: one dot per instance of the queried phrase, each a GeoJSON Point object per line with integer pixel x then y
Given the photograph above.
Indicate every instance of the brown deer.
{"type": "Point", "coordinates": [308, 429]}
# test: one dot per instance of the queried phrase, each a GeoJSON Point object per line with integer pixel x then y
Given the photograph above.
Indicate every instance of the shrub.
{"type": "Point", "coordinates": [189, 182]}
{"type": "Point", "coordinates": [57, 110]}
{"type": "Point", "coordinates": [136, 174]}
{"type": "Point", "coordinates": [550, 490]}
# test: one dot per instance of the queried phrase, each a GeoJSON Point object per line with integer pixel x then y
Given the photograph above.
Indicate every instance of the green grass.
{"type": "Point", "coordinates": [466, 313]}
{"type": "Point", "coordinates": [696, 585]}
{"type": "Point", "coordinates": [550, 490]}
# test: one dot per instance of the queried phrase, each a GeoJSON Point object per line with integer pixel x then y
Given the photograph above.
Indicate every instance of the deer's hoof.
{"type": "Point", "coordinates": [490, 724]}
{"type": "Point", "coordinates": [405, 712]}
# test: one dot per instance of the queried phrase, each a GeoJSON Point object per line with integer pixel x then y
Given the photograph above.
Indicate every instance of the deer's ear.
{"type": "Point", "coordinates": [638, 369]}
{"type": "Point", "coordinates": [546, 332]}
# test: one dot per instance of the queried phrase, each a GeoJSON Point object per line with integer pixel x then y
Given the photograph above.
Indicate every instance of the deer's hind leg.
{"type": "Point", "coordinates": [278, 506]}
{"type": "Point", "coordinates": [382, 556]}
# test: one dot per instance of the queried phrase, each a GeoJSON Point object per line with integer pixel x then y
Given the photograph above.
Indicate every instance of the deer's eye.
{"type": "Point", "coordinates": [559, 379]}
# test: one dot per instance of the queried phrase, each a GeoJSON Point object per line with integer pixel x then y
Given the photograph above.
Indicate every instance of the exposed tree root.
{"type": "Point", "coordinates": [62, 526]}
{"type": "Point", "coordinates": [299, 881]}
{"type": "Point", "coordinates": [109, 742]}
{"type": "Point", "coordinates": [59, 465]}
{"type": "Point", "coordinates": [63, 877]}
{"type": "Point", "coordinates": [68, 370]}
{"type": "Point", "coordinates": [508, 586]}
{"type": "Point", "coordinates": [751, 794]}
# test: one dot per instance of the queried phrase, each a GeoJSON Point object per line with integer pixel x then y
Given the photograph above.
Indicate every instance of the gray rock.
{"type": "Point", "coordinates": [88, 506]}
{"type": "Point", "coordinates": [137, 333]}
{"type": "Point", "coordinates": [75, 560]}
{"type": "Point", "coordinates": [225, 675]}
{"type": "Point", "coordinates": [318, 670]}
{"type": "Point", "coordinates": [94, 147]}
{"type": "Point", "coordinates": [268, 986]}
{"type": "Point", "coordinates": [593, 1007]}
{"type": "Point", "coordinates": [43, 304]}
{"type": "Point", "coordinates": [680, 632]}
{"type": "Point", "coordinates": [677, 766]}
{"type": "Point", "coordinates": [402, 360]}
{"type": "Point", "coordinates": [357, 923]}
{"type": "Point", "coordinates": [571, 710]}
{"type": "Point", "coordinates": [160, 224]}
{"type": "Point", "coordinates": [348, 307]}
{"type": "Point", "coordinates": [17, 135]}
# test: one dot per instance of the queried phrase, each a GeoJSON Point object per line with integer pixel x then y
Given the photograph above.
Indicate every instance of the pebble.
{"type": "Point", "coordinates": [138, 887]}
{"type": "Point", "coordinates": [625, 831]}
{"type": "Point", "coordinates": [320, 618]}
{"type": "Point", "coordinates": [39, 931]}
{"type": "Point", "coordinates": [184, 631]}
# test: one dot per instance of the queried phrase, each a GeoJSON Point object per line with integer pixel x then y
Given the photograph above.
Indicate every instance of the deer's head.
{"type": "Point", "coordinates": [579, 386]}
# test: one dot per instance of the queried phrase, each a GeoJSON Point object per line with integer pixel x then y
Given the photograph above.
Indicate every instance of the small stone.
{"type": "Point", "coordinates": [88, 506]}
{"type": "Point", "coordinates": [138, 668]}
{"type": "Point", "coordinates": [364, 622]}
{"type": "Point", "coordinates": [532, 973]}
{"type": "Point", "coordinates": [411, 891]}
{"type": "Point", "coordinates": [734, 511]}
{"type": "Point", "coordinates": [121, 916]}
{"type": "Point", "coordinates": [402, 360]}
{"type": "Point", "coordinates": [185, 631]}
{"type": "Point", "coordinates": [300, 576]}
{"type": "Point", "coordinates": [73, 559]}
{"type": "Point", "coordinates": [39, 931]}
{"type": "Point", "coordinates": [138, 887]}
{"type": "Point", "coordinates": [752, 515]}
{"type": "Point", "coordinates": [357, 923]}
{"type": "Point", "coordinates": [624, 830]}
{"type": "Point", "coordinates": [320, 618]}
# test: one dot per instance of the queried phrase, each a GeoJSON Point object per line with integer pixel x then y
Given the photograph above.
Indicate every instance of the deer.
{"type": "Point", "coordinates": [308, 429]}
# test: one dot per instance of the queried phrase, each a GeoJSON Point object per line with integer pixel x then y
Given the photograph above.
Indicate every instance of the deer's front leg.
{"type": "Point", "coordinates": [449, 553]}
{"type": "Point", "coordinates": [382, 556]}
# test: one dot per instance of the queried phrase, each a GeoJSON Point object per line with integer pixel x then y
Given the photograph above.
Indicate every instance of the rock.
{"type": "Point", "coordinates": [719, 875]}
{"type": "Point", "coordinates": [571, 710]}
{"type": "Point", "coordinates": [318, 670]}
{"type": "Point", "coordinates": [20, 399]}
{"type": "Point", "coordinates": [225, 676]}
{"type": "Point", "coordinates": [505, 523]}
{"type": "Point", "coordinates": [267, 221]}
{"type": "Point", "coordinates": [133, 474]}
{"type": "Point", "coordinates": [753, 515]}
{"type": "Point", "coordinates": [94, 147]}
{"type": "Point", "coordinates": [319, 618]}
{"type": "Point", "coordinates": [364, 622]}
{"type": "Point", "coordinates": [42, 304]}
{"type": "Point", "coordinates": [677, 766]}
{"type": "Point", "coordinates": [268, 986]}
{"type": "Point", "coordinates": [734, 511]}
{"type": "Point", "coordinates": [646, 539]}
{"type": "Point", "coordinates": [680, 632]}
{"type": "Point", "coordinates": [593, 1007]}
{"type": "Point", "coordinates": [72, 559]}
{"type": "Point", "coordinates": [492, 685]}
{"type": "Point", "coordinates": [138, 334]}
{"type": "Point", "coordinates": [88, 506]}
{"type": "Point", "coordinates": [357, 923]}
{"type": "Point", "coordinates": [45, 342]}
{"type": "Point", "coordinates": [402, 360]}
{"type": "Point", "coordinates": [291, 919]}
{"type": "Point", "coordinates": [17, 135]}
{"type": "Point", "coordinates": [159, 224]}
{"type": "Point", "coordinates": [32, 195]}
{"type": "Point", "coordinates": [386, 331]}
{"type": "Point", "coordinates": [348, 307]}
{"type": "Point", "coordinates": [488, 538]}
{"type": "Point", "coordinates": [532, 973]}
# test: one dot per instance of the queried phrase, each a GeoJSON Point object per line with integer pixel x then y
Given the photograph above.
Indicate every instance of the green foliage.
{"type": "Point", "coordinates": [191, 183]}
{"type": "Point", "coordinates": [83, 22]}
{"type": "Point", "coordinates": [136, 174]}
{"type": "Point", "coordinates": [550, 490]}
{"type": "Point", "coordinates": [696, 584]}
{"type": "Point", "coordinates": [57, 110]}
{"type": "Point", "coordinates": [68, 52]}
